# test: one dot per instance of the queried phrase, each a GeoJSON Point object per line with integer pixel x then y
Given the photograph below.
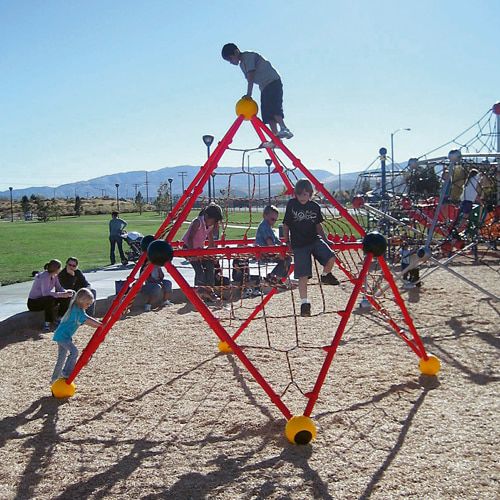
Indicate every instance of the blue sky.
{"type": "Point", "coordinates": [90, 88]}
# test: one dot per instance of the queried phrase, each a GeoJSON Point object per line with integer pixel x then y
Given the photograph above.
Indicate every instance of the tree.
{"type": "Point", "coordinates": [78, 206]}
{"type": "Point", "coordinates": [55, 209]}
{"type": "Point", "coordinates": [41, 209]}
{"type": "Point", "coordinates": [163, 198]}
{"type": "Point", "coordinates": [139, 202]}
{"type": "Point", "coordinates": [25, 205]}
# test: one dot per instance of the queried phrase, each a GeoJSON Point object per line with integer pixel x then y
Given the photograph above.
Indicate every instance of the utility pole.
{"type": "Point", "coordinates": [269, 162]}
{"type": "Point", "coordinates": [182, 175]}
{"type": "Point", "coordinates": [135, 187]}
{"type": "Point", "coordinates": [147, 188]}
{"type": "Point", "coordinates": [383, 152]}
{"type": "Point", "coordinates": [103, 192]}
{"type": "Point", "coordinates": [117, 198]}
{"type": "Point", "coordinates": [11, 207]}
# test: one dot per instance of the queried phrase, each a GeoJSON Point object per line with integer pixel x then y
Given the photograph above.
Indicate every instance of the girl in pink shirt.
{"type": "Point", "coordinates": [46, 292]}
{"type": "Point", "coordinates": [202, 229]}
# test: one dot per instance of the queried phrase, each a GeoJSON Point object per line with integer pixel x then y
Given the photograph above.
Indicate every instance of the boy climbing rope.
{"type": "Point", "coordinates": [260, 71]}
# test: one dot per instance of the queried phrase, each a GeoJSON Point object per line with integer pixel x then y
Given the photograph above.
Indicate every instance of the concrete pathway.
{"type": "Point", "coordinates": [13, 298]}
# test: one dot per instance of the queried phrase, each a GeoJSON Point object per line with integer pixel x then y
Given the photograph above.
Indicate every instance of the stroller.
{"type": "Point", "coordinates": [133, 239]}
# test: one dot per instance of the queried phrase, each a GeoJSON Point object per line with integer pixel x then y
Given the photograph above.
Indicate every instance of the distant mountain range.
{"type": "Point", "coordinates": [148, 183]}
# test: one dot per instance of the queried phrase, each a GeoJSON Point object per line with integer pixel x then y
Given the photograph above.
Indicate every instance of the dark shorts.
{"type": "Point", "coordinates": [302, 257]}
{"type": "Point", "coordinates": [271, 101]}
{"type": "Point", "coordinates": [466, 206]}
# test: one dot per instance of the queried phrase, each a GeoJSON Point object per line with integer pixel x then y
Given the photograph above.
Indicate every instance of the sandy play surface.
{"type": "Point", "coordinates": [160, 413]}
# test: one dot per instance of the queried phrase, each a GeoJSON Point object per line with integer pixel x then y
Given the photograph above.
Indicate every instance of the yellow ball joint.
{"type": "Point", "coordinates": [431, 366]}
{"type": "Point", "coordinates": [247, 107]}
{"type": "Point", "coordinates": [224, 347]}
{"type": "Point", "coordinates": [60, 389]}
{"type": "Point", "coordinates": [300, 430]}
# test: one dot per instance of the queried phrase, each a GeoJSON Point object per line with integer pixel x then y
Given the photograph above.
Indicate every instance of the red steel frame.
{"type": "Point", "coordinates": [179, 214]}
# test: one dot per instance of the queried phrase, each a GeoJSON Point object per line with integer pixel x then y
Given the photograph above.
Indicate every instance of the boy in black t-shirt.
{"type": "Point", "coordinates": [302, 222]}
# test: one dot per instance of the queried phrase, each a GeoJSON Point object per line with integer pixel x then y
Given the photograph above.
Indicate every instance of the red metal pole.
{"type": "Point", "coordinates": [102, 331]}
{"type": "Point", "coordinates": [402, 306]}
{"type": "Point", "coordinates": [272, 155]}
{"type": "Point", "coordinates": [331, 350]}
{"type": "Point", "coordinates": [196, 188]}
{"type": "Point", "coordinates": [259, 308]}
{"type": "Point", "coordinates": [223, 335]}
{"type": "Point", "coordinates": [399, 331]}
{"type": "Point", "coordinates": [318, 185]}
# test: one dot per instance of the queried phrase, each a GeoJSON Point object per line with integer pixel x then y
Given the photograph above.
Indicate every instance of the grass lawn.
{"type": "Point", "coordinates": [27, 246]}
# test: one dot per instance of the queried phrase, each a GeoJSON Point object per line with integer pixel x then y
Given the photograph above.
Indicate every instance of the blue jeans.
{"type": "Point", "coordinates": [69, 364]}
{"type": "Point", "coordinates": [204, 272]}
{"type": "Point", "coordinates": [118, 241]}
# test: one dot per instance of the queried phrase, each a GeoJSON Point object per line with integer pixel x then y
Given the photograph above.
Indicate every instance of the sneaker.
{"type": "Point", "coordinates": [147, 308]}
{"type": "Point", "coordinates": [268, 145]}
{"type": "Point", "coordinates": [256, 292]}
{"type": "Point", "coordinates": [408, 285]}
{"type": "Point", "coordinates": [284, 134]}
{"type": "Point", "coordinates": [329, 279]}
{"type": "Point", "coordinates": [305, 309]}
{"type": "Point", "coordinates": [167, 303]}
{"type": "Point", "coordinates": [247, 293]}
{"type": "Point", "coordinates": [46, 327]}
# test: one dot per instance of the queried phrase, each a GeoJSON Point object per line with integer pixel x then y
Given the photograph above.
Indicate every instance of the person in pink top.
{"type": "Point", "coordinates": [46, 292]}
{"type": "Point", "coordinates": [200, 230]}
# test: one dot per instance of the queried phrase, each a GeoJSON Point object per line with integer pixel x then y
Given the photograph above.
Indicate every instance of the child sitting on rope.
{"type": "Point", "coordinates": [201, 229]}
{"type": "Point", "coordinates": [265, 237]}
{"type": "Point", "coordinates": [304, 232]}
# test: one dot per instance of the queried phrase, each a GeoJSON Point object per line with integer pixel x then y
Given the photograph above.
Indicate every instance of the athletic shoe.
{"type": "Point", "coordinates": [329, 279]}
{"type": "Point", "coordinates": [268, 145]}
{"type": "Point", "coordinates": [147, 308]}
{"type": "Point", "coordinates": [46, 327]}
{"type": "Point", "coordinates": [167, 303]}
{"type": "Point", "coordinates": [408, 285]}
{"type": "Point", "coordinates": [305, 309]}
{"type": "Point", "coordinates": [256, 292]}
{"type": "Point", "coordinates": [284, 134]}
{"type": "Point", "coordinates": [247, 293]}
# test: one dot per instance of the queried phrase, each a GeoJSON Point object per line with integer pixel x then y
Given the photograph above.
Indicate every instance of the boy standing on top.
{"type": "Point", "coordinates": [260, 71]}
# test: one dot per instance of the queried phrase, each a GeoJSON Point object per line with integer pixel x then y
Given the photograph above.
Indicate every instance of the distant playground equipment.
{"type": "Point", "coordinates": [245, 326]}
{"type": "Point", "coordinates": [422, 209]}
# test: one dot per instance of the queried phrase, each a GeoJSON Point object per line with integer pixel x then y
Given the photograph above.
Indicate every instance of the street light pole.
{"type": "Point", "coordinates": [11, 207]}
{"type": "Point", "coordinates": [392, 153]}
{"type": "Point", "coordinates": [170, 180]}
{"type": "Point", "coordinates": [208, 139]}
{"type": "Point", "coordinates": [269, 162]}
{"type": "Point", "coordinates": [117, 198]}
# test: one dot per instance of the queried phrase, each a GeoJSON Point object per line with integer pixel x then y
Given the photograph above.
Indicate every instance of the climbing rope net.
{"type": "Point", "coordinates": [256, 320]}
{"type": "Point", "coordinates": [422, 206]}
